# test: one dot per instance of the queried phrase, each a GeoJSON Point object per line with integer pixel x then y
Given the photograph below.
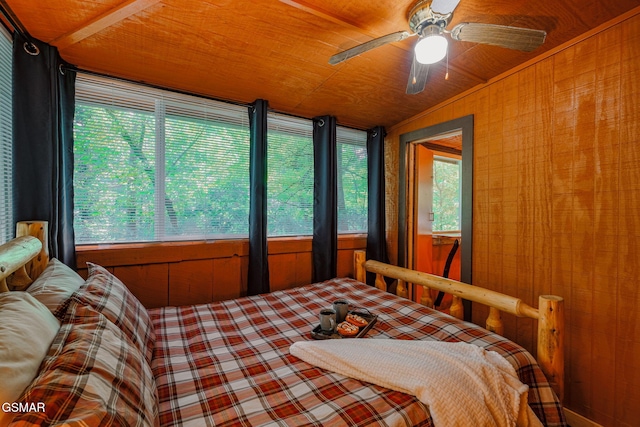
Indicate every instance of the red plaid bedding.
{"type": "Point", "coordinates": [228, 363]}
{"type": "Point", "coordinates": [93, 376]}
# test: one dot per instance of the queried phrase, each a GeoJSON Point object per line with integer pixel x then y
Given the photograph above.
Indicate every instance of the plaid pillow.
{"type": "Point", "coordinates": [107, 294]}
{"type": "Point", "coordinates": [92, 376]}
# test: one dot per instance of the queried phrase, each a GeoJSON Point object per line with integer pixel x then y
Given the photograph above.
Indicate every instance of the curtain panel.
{"type": "Point", "coordinates": [258, 276]}
{"type": "Point", "coordinates": [376, 236]}
{"type": "Point", "coordinates": [43, 111]}
{"type": "Point", "coordinates": [324, 245]}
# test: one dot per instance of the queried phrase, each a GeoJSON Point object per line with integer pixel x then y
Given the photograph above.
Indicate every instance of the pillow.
{"type": "Point", "coordinates": [27, 329]}
{"type": "Point", "coordinates": [108, 295]}
{"type": "Point", "coordinates": [55, 285]}
{"type": "Point", "coordinates": [92, 376]}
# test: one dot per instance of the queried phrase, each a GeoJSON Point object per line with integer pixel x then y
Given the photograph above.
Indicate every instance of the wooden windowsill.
{"type": "Point", "coordinates": [162, 252]}
{"type": "Point", "coordinates": [446, 237]}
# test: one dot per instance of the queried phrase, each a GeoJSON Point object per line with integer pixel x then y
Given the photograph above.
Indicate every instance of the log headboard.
{"type": "Point", "coordinates": [25, 257]}
{"type": "Point", "coordinates": [549, 314]}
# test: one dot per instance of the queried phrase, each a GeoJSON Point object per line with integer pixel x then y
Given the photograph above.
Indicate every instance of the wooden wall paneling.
{"type": "Point", "coordinates": [148, 283]}
{"type": "Point", "coordinates": [482, 267]}
{"type": "Point", "coordinates": [577, 127]}
{"type": "Point", "coordinates": [508, 216]}
{"type": "Point", "coordinates": [525, 206]}
{"type": "Point", "coordinates": [345, 263]}
{"type": "Point", "coordinates": [282, 271]}
{"type": "Point", "coordinates": [564, 137]}
{"type": "Point", "coordinates": [244, 274]}
{"type": "Point", "coordinates": [628, 321]}
{"type": "Point", "coordinates": [153, 253]}
{"type": "Point", "coordinates": [481, 188]}
{"type": "Point", "coordinates": [543, 177]}
{"type": "Point", "coordinates": [228, 283]}
{"type": "Point", "coordinates": [391, 165]}
{"type": "Point", "coordinates": [495, 202]}
{"type": "Point", "coordinates": [219, 268]}
{"type": "Point", "coordinates": [191, 282]}
{"type": "Point", "coordinates": [542, 180]}
{"type": "Point", "coordinates": [304, 264]}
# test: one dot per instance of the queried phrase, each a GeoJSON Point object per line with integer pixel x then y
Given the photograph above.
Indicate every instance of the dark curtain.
{"type": "Point", "coordinates": [43, 110]}
{"type": "Point", "coordinates": [376, 240]}
{"type": "Point", "coordinates": [325, 200]}
{"type": "Point", "coordinates": [258, 278]}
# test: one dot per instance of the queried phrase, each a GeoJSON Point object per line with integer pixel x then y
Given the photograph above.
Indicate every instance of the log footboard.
{"type": "Point", "coordinates": [549, 314]}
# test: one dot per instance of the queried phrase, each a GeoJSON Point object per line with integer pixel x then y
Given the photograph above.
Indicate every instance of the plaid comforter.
{"type": "Point", "coordinates": [228, 363]}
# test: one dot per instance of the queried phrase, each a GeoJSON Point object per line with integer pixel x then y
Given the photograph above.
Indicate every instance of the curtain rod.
{"type": "Point", "coordinates": [13, 20]}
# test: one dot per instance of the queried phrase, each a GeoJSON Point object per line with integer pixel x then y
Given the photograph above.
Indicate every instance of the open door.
{"type": "Point", "coordinates": [423, 211]}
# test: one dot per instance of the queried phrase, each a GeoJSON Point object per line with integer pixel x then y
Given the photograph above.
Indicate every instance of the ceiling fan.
{"type": "Point", "coordinates": [428, 20]}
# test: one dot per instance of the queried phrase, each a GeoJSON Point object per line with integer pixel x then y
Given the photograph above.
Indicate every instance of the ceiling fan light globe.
{"type": "Point", "coordinates": [431, 49]}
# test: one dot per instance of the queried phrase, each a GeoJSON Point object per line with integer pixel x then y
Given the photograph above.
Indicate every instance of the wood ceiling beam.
{"type": "Point", "coordinates": [323, 14]}
{"type": "Point", "coordinates": [328, 16]}
{"type": "Point", "coordinates": [107, 19]}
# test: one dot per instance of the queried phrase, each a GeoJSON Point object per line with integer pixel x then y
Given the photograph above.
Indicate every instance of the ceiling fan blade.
{"type": "Point", "coordinates": [444, 7]}
{"type": "Point", "coordinates": [417, 77]}
{"type": "Point", "coordinates": [524, 39]}
{"type": "Point", "coordinates": [371, 44]}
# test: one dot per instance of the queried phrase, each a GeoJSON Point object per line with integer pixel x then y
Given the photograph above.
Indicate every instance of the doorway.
{"type": "Point", "coordinates": [415, 222]}
{"type": "Point", "coordinates": [436, 208]}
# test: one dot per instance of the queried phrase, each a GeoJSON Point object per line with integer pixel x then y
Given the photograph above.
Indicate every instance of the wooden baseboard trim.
{"type": "Point", "coordinates": [577, 420]}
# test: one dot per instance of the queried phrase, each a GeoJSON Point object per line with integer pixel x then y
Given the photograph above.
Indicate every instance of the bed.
{"type": "Point", "coordinates": [94, 355]}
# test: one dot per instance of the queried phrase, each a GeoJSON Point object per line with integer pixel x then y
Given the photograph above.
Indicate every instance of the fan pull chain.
{"type": "Point", "coordinates": [446, 75]}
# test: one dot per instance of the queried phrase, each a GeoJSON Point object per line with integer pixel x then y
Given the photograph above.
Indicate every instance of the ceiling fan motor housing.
{"type": "Point", "coordinates": [421, 16]}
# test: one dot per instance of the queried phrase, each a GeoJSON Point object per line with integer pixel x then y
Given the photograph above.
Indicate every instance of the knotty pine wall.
{"type": "Point", "coordinates": [556, 204]}
{"type": "Point", "coordinates": [184, 273]}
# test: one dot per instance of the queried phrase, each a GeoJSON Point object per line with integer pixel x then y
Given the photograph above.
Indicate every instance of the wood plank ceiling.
{"type": "Point", "coordinates": [278, 49]}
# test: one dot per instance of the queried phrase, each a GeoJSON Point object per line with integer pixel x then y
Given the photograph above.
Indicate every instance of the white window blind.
{"type": "Point", "coordinates": [290, 176]}
{"type": "Point", "coordinates": [155, 165]}
{"type": "Point", "coordinates": [290, 182]}
{"type": "Point", "coordinates": [6, 124]}
{"type": "Point", "coordinates": [352, 180]}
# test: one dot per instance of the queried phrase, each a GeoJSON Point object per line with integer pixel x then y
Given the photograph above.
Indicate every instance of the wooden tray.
{"type": "Point", "coordinates": [319, 334]}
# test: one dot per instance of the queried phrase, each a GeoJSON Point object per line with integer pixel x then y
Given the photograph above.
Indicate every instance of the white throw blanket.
{"type": "Point", "coordinates": [462, 384]}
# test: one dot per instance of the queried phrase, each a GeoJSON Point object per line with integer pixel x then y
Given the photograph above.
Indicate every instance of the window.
{"type": "Point", "coordinates": [446, 193]}
{"type": "Point", "coordinates": [352, 180]}
{"type": "Point", "coordinates": [153, 165]}
{"type": "Point", "coordinates": [290, 176]}
{"type": "Point", "coordinates": [6, 150]}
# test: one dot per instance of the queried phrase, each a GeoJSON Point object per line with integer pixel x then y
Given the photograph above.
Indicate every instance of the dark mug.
{"type": "Point", "coordinates": [327, 319]}
{"type": "Point", "coordinates": [341, 307]}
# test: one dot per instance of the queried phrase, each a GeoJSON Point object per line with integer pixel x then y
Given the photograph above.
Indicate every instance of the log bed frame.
{"type": "Point", "coordinates": [549, 314]}
{"type": "Point", "coordinates": [25, 257]}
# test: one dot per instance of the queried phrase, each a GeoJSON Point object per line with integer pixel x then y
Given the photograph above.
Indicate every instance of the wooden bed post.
{"type": "Point", "coordinates": [494, 321]}
{"type": "Point", "coordinates": [551, 341]}
{"type": "Point", "coordinates": [13, 257]}
{"type": "Point", "coordinates": [380, 283]}
{"type": "Point", "coordinates": [401, 289]}
{"type": "Point", "coordinates": [359, 257]}
{"type": "Point", "coordinates": [426, 299]}
{"type": "Point", "coordinates": [40, 230]}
